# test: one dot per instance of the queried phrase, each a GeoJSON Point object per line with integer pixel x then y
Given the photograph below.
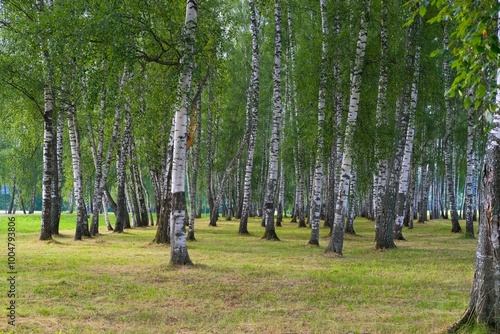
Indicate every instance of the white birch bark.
{"type": "Point", "coordinates": [337, 238]}
{"type": "Point", "coordinates": [407, 153]}
{"type": "Point", "coordinates": [46, 229]}
{"type": "Point", "coordinates": [272, 174]}
{"type": "Point", "coordinates": [179, 253]}
{"type": "Point", "coordinates": [193, 178]}
{"type": "Point", "coordinates": [281, 209]}
{"type": "Point", "coordinates": [58, 175]}
{"type": "Point", "coordinates": [380, 177]}
{"type": "Point", "coordinates": [349, 228]}
{"type": "Point", "coordinates": [247, 186]}
{"type": "Point", "coordinates": [122, 216]}
{"type": "Point", "coordinates": [48, 140]}
{"type": "Point", "coordinates": [455, 226]}
{"type": "Point", "coordinates": [82, 228]}
{"type": "Point", "coordinates": [315, 201]}
{"type": "Point", "coordinates": [469, 195]}
{"type": "Point", "coordinates": [102, 166]}
{"type": "Point", "coordinates": [484, 304]}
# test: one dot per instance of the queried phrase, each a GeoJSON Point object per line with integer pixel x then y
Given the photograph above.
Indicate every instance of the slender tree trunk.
{"type": "Point", "coordinates": [225, 177]}
{"type": "Point", "coordinates": [469, 219]}
{"type": "Point", "coordinates": [48, 166]}
{"type": "Point", "coordinates": [407, 153]}
{"type": "Point", "coordinates": [455, 226]}
{"type": "Point", "coordinates": [315, 201]}
{"type": "Point", "coordinates": [247, 187]}
{"type": "Point", "coordinates": [195, 155]}
{"type": "Point", "coordinates": [82, 228]}
{"type": "Point", "coordinates": [272, 174]}
{"type": "Point", "coordinates": [179, 253]}
{"type": "Point", "coordinates": [32, 200]}
{"type": "Point", "coordinates": [122, 217]}
{"type": "Point", "coordinates": [102, 168]}
{"type": "Point", "coordinates": [214, 212]}
{"type": "Point", "coordinates": [337, 239]}
{"type": "Point", "coordinates": [13, 191]}
{"type": "Point", "coordinates": [388, 179]}
{"type": "Point", "coordinates": [298, 211]}
{"type": "Point", "coordinates": [349, 227]}
{"type": "Point", "coordinates": [58, 175]}
{"type": "Point", "coordinates": [106, 215]}
{"type": "Point", "coordinates": [338, 140]}
{"type": "Point", "coordinates": [133, 189]}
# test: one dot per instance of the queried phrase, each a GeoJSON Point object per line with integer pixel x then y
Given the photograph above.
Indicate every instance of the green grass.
{"type": "Point", "coordinates": [121, 283]}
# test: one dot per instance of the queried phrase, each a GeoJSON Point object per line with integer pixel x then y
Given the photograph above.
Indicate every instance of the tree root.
{"type": "Point", "coordinates": [464, 320]}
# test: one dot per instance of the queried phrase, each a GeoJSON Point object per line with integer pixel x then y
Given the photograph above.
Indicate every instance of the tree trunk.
{"type": "Point", "coordinates": [32, 200]}
{"type": "Point", "coordinates": [380, 177]}
{"type": "Point", "coordinates": [469, 219]}
{"type": "Point", "coordinates": [315, 201]}
{"type": "Point", "coordinates": [71, 205]}
{"type": "Point", "coordinates": [82, 228]}
{"type": "Point", "coordinates": [195, 155]}
{"type": "Point", "coordinates": [133, 190]}
{"type": "Point", "coordinates": [48, 166]}
{"type": "Point", "coordinates": [247, 187]}
{"type": "Point", "coordinates": [102, 168]}
{"type": "Point", "coordinates": [349, 226]}
{"type": "Point", "coordinates": [484, 304]}
{"type": "Point", "coordinates": [455, 226]}
{"type": "Point", "coordinates": [106, 215]}
{"type": "Point", "coordinates": [214, 212]}
{"type": "Point", "coordinates": [58, 175]}
{"type": "Point", "coordinates": [13, 191]}
{"type": "Point", "coordinates": [272, 174]}
{"type": "Point", "coordinates": [407, 153]}
{"type": "Point", "coordinates": [298, 216]}
{"type": "Point", "coordinates": [337, 239]}
{"type": "Point", "coordinates": [179, 253]}
{"type": "Point", "coordinates": [122, 217]}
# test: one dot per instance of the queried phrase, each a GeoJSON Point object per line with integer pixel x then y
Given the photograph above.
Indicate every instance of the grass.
{"type": "Point", "coordinates": [121, 283]}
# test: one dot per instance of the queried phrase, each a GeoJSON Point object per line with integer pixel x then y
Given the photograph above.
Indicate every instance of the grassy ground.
{"type": "Point", "coordinates": [121, 283]}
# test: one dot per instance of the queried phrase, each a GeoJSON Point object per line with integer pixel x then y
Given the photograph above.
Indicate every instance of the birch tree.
{"type": "Point", "coordinates": [471, 163]}
{"type": "Point", "coordinates": [179, 253]}
{"type": "Point", "coordinates": [484, 304]}
{"type": "Point", "coordinates": [102, 166]}
{"type": "Point", "coordinates": [82, 228]}
{"type": "Point", "coordinates": [272, 174]}
{"type": "Point", "coordinates": [247, 186]}
{"type": "Point", "coordinates": [337, 238]}
{"type": "Point", "coordinates": [455, 225]}
{"type": "Point", "coordinates": [403, 184]}
{"type": "Point", "coordinates": [318, 168]}
{"type": "Point", "coordinates": [380, 177]}
{"type": "Point", "coordinates": [294, 120]}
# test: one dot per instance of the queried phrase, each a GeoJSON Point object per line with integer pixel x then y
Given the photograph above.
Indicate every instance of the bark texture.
{"type": "Point", "coordinates": [272, 171]}
{"type": "Point", "coordinates": [247, 186]}
{"type": "Point", "coordinates": [337, 238]}
{"type": "Point", "coordinates": [179, 253]}
{"type": "Point", "coordinates": [484, 305]}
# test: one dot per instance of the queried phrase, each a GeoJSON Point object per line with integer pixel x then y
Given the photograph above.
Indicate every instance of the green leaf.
{"type": "Point", "coordinates": [477, 104]}
{"type": "Point", "coordinates": [467, 102]}
{"type": "Point", "coordinates": [481, 91]}
{"type": "Point", "coordinates": [422, 11]}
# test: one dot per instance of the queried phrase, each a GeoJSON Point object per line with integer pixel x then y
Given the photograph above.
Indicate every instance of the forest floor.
{"type": "Point", "coordinates": [122, 283]}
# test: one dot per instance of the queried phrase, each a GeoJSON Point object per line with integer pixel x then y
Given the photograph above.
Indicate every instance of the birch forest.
{"type": "Point", "coordinates": [311, 112]}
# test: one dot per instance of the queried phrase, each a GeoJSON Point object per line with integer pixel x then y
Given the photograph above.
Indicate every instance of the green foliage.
{"type": "Point", "coordinates": [473, 45]}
